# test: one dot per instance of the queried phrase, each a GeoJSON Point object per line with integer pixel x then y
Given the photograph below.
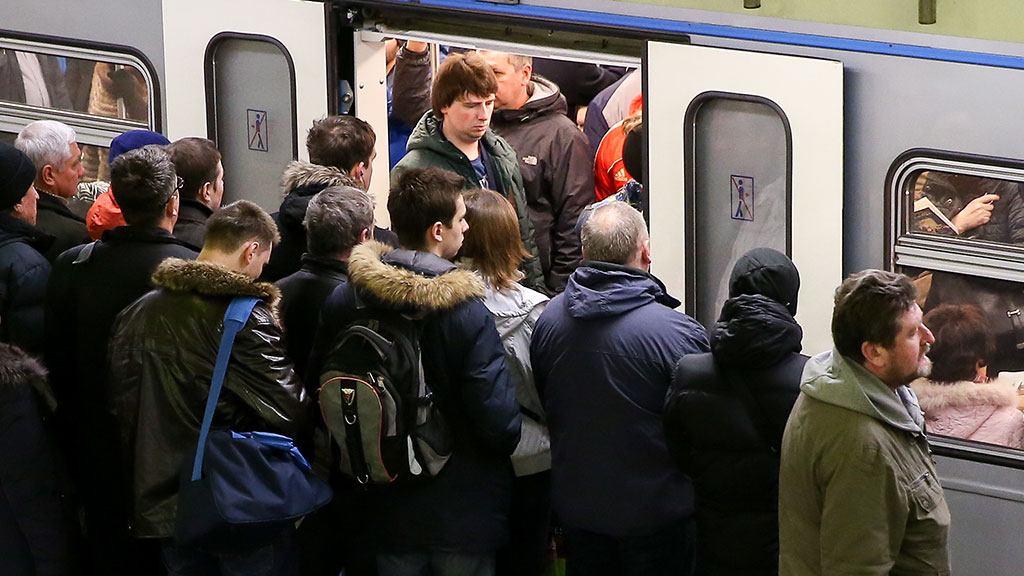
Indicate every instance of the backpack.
{"type": "Point", "coordinates": [376, 402]}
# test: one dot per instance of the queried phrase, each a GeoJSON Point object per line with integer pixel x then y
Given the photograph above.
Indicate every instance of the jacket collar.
{"type": "Point", "coordinates": [407, 279]}
{"type": "Point", "coordinates": [142, 234]}
{"type": "Point", "coordinates": [57, 204]}
{"type": "Point", "coordinates": [195, 210]}
{"type": "Point", "coordinates": [324, 266]}
{"type": "Point", "coordinates": [210, 279]}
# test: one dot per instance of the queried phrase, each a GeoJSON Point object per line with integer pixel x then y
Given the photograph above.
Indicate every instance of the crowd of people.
{"type": "Point", "coordinates": [573, 393]}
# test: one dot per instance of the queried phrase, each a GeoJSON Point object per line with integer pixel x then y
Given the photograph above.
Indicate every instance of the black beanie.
{"type": "Point", "coordinates": [16, 174]}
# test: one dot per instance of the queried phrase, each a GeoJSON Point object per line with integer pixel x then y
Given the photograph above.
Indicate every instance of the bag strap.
{"type": "Point", "coordinates": [234, 319]}
{"type": "Point", "coordinates": [756, 412]}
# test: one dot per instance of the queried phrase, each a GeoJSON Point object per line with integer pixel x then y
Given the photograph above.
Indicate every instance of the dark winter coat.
{"type": "Point", "coordinates": [580, 81]}
{"type": "Point", "coordinates": [465, 507]}
{"type": "Point", "coordinates": [303, 295]}
{"type": "Point", "coordinates": [428, 147]}
{"type": "Point", "coordinates": [191, 225]}
{"type": "Point", "coordinates": [33, 527]}
{"type": "Point", "coordinates": [68, 229]}
{"type": "Point", "coordinates": [558, 175]}
{"type": "Point", "coordinates": [603, 354]}
{"type": "Point", "coordinates": [163, 350]}
{"type": "Point", "coordinates": [727, 438]}
{"type": "Point", "coordinates": [300, 182]}
{"type": "Point", "coordinates": [24, 273]}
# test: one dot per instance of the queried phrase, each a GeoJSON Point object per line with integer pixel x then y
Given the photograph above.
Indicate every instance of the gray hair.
{"type": "Point", "coordinates": [519, 60]}
{"type": "Point", "coordinates": [336, 218]}
{"type": "Point", "coordinates": [613, 233]}
{"type": "Point", "coordinates": [46, 142]}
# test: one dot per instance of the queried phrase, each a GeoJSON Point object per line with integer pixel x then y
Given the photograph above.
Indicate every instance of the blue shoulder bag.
{"type": "Point", "coordinates": [241, 490]}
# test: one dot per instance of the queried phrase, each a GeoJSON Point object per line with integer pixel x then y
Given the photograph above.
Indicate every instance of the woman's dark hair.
{"type": "Point", "coordinates": [962, 338]}
{"type": "Point", "coordinates": [493, 240]}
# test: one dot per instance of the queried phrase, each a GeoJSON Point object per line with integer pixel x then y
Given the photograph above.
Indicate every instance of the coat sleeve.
{"type": "Point", "coordinates": [263, 377]}
{"type": "Point", "coordinates": [486, 389]}
{"type": "Point", "coordinates": [410, 98]}
{"type": "Point", "coordinates": [572, 189]}
{"type": "Point", "coordinates": [27, 305]}
{"type": "Point", "coordinates": [864, 513]}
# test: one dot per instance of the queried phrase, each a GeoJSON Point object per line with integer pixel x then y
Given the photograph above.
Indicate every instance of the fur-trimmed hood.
{"type": "Point", "coordinates": [211, 279]}
{"type": "Point", "coordinates": [300, 176]}
{"type": "Point", "coordinates": [18, 369]}
{"type": "Point", "coordinates": [407, 279]}
{"type": "Point", "coordinates": [936, 396]}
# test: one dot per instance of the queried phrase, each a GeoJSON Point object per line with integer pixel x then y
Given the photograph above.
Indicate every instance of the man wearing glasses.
{"type": "Point", "coordinates": [89, 286]}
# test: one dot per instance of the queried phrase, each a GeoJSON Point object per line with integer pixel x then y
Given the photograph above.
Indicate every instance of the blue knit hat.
{"type": "Point", "coordinates": [16, 174]}
{"type": "Point", "coordinates": [133, 140]}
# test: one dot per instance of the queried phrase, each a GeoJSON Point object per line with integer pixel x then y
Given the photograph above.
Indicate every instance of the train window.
{"type": "Point", "coordinates": [741, 189]}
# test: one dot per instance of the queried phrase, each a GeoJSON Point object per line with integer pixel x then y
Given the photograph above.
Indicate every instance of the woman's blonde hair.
{"type": "Point", "coordinates": [493, 240]}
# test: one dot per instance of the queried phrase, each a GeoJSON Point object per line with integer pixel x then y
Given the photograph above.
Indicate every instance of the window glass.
{"type": "Point", "coordinates": [967, 206]}
{"type": "Point", "coordinates": [96, 87]}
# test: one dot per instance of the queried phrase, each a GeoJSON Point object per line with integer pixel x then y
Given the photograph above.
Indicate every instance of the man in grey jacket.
{"type": "Point", "coordinates": [858, 493]}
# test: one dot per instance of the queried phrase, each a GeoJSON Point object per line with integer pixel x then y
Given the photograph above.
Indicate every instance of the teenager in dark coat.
{"type": "Point", "coordinates": [727, 411]}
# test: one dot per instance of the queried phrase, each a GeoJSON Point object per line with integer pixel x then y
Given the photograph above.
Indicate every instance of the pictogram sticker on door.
{"type": "Point", "coordinates": [741, 190]}
{"type": "Point", "coordinates": [257, 130]}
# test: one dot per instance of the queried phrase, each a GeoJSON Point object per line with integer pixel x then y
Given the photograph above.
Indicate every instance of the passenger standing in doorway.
{"type": "Point", "coordinates": [455, 135]}
{"type": "Point", "coordinates": [727, 412]}
{"type": "Point", "coordinates": [858, 493]}
{"type": "Point", "coordinates": [197, 163]}
{"type": "Point", "coordinates": [603, 355]}
{"type": "Point", "coordinates": [53, 148]}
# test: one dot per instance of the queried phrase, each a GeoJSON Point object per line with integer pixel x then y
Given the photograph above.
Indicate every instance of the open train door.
{"type": "Point", "coordinates": [252, 76]}
{"type": "Point", "coordinates": [745, 149]}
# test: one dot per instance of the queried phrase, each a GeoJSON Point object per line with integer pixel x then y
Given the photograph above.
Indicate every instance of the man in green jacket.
{"type": "Point", "coordinates": [858, 493]}
{"type": "Point", "coordinates": [455, 135]}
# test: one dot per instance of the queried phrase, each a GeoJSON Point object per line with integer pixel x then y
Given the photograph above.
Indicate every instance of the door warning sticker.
{"type": "Point", "coordinates": [741, 197]}
{"type": "Point", "coordinates": [257, 130]}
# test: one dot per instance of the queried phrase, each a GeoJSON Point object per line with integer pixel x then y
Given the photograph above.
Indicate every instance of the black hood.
{"type": "Point", "coordinates": [754, 332]}
{"type": "Point", "coordinates": [769, 273]}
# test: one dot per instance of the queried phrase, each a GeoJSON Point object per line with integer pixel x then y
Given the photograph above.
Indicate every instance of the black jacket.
{"type": "Point", "coordinates": [465, 508]}
{"type": "Point", "coordinates": [25, 273]}
{"type": "Point", "coordinates": [163, 350]}
{"type": "Point", "coordinates": [33, 524]}
{"type": "Point", "coordinates": [558, 175]}
{"type": "Point", "coordinates": [56, 219]}
{"type": "Point", "coordinates": [724, 422]}
{"type": "Point", "coordinates": [303, 295]}
{"type": "Point", "coordinates": [191, 225]}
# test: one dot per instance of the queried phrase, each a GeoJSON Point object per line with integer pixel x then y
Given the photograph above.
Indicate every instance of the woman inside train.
{"type": "Point", "coordinates": [958, 398]}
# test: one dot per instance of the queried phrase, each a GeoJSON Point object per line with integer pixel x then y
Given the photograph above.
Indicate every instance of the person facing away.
{"type": "Point", "coordinates": [163, 350]}
{"type": "Point", "coordinates": [554, 160]}
{"type": "Point", "coordinates": [454, 523]}
{"type": "Point", "coordinates": [603, 353]}
{"type": "Point", "coordinates": [54, 151]}
{"type": "Point", "coordinates": [104, 213]}
{"type": "Point", "coordinates": [455, 135]}
{"type": "Point", "coordinates": [198, 163]}
{"type": "Point", "coordinates": [89, 286]}
{"type": "Point", "coordinates": [858, 492]}
{"type": "Point", "coordinates": [958, 398]}
{"type": "Point", "coordinates": [727, 411]}
{"type": "Point", "coordinates": [341, 152]}
{"type": "Point", "coordinates": [494, 250]}
{"type": "Point", "coordinates": [23, 268]}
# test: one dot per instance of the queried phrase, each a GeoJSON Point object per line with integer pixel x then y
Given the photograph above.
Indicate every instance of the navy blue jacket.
{"type": "Point", "coordinates": [24, 273]}
{"type": "Point", "coordinates": [465, 507]}
{"type": "Point", "coordinates": [603, 354]}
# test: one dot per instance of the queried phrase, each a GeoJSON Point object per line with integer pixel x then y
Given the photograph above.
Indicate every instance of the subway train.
{"type": "Point", "coordinates": [845, 147]}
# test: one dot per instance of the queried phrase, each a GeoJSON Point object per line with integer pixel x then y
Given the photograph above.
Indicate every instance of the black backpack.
{"type": "Point", "coordinates": [376, 402]}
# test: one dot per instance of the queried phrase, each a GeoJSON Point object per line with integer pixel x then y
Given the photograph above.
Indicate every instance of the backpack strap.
{"type": "Point", "coordinates": [753, 409]}
{"type": "Point", "coordinates": [234, 319]}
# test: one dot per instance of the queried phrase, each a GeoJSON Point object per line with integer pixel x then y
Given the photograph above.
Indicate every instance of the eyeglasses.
{"type": "Point", "coordinates": [179, 184]}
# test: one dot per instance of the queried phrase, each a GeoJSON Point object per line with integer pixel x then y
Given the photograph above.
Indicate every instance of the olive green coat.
{"type": "Point", "coordinates": [858, 493]}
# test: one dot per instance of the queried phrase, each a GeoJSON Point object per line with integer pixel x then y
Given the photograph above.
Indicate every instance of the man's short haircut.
{"type": "Point", "coordinates": [335, 220]}
{"type": "Point", "coordinates": [869, 307]}
{"type": "Point", "coordinates": [340, 141]}
{"type": "Point", "coordinates": [421, 197]}
{"type": "Point", "coordinates": [195, 161]}
{"type": "Point", "coordinates": [238, 223]}
{"type": "Point", "coordinates": [613, 233]}
{"type": "Point", "coordinates": [519, 60]}
{"type": "Point", "coordinates": [458, 75]}
{"type": "Point", "coordinates": [962, 338]}
{"type": "Point", "coordinates": [143, 181]}
{"type": "Point", "coordinates": [493, 240]}
{"type": "Point", "coordinates": [46, 142]}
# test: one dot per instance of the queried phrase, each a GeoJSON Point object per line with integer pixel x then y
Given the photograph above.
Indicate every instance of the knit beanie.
{"type": "Point", "coordinates": [133, 140]}
{"type": "Point", "coordinates": [16, 174]}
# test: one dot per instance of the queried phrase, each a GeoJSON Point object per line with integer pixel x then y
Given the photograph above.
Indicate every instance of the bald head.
{"type": "Point", "coordinates": [616, 233]}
